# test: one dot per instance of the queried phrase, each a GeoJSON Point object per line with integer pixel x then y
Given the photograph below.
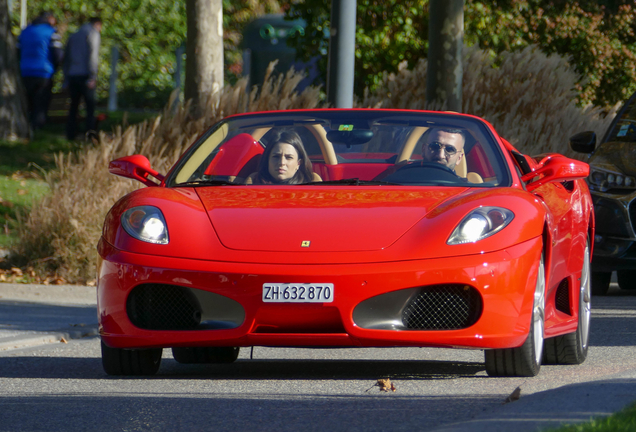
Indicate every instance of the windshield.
{"type": "Point", "coordinates": [349, 147]}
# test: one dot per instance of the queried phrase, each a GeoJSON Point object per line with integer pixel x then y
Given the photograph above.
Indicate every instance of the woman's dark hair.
{"type": "Point", "coordinates": [304, 173]}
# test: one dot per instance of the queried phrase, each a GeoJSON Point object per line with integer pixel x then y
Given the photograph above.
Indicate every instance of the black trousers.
{"type": "Point", "coordinates": [78, 90]}
{"type": "Point", "coordinates": [38, 96]}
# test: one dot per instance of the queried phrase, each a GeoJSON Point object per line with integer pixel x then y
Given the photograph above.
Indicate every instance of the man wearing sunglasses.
{"type": "Point", "coordinates": [443, 146]}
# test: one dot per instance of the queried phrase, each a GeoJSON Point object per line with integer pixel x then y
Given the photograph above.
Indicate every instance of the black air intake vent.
{"type": "Point", "coordinates": [562, 297]}
{"type": "Point", "coordinates": [163, 307]}
{"type": "Point", "coordinates": [443, 307]}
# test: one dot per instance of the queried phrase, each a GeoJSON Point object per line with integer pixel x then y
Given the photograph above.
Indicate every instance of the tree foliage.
{"type": "Point", "coordinates": [147, 34]}
{"type": "Point", "coordinates": [597, 35]}
{"type": "Point", "coordinates": [387, 33]}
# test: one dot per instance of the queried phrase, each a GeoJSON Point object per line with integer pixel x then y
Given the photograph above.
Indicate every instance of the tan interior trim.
{"type": "Point", "coordinates": [461, 168]}
{"type": "Point", "coordinates": [257, 134]}
{"type": "Point", "coordinates": [473, 177]}
{"type": "Point", "coordinates": [328, 153]}
{"type": "Point", "coordinates": [202, 152]}
{"type": "Point", "coordinates": [411, 141]}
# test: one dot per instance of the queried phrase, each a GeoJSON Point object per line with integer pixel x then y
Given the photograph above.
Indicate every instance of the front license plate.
{"type": "Point", "coordinates": [298, 293]}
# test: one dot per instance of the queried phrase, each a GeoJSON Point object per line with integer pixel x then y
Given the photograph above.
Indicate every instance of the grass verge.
{"type": "Point", "coordinates": [623, 421]}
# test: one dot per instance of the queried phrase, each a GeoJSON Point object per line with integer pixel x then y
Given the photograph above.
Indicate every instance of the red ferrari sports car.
{"type": "Point", "coordinates": [348, 228]}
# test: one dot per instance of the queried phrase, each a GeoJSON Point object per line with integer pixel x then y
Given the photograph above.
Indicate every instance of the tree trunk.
{"type": "Point", "coordinates": [445, 44]}
{"type": "Point", "coordinates": [204, 52]}
{"type": "Point", "coordinates": [13, 107]}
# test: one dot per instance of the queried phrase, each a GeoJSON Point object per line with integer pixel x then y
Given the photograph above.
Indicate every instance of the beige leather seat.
{"type": "Point", "coordinates": [461, 171]}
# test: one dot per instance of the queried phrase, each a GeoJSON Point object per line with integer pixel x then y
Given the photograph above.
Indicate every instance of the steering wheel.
{"type": "Point", "coordinates": [423, 172]}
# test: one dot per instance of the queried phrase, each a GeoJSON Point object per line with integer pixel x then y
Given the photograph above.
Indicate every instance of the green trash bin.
{"type": "Point", "coordinates": [265, 40]}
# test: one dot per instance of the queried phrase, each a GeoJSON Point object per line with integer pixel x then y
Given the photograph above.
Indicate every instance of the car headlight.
{"type": "Point", "coordinates": [145, 223]}
{"type": "Point", "coordinates": [602, 180]}
{"type": "Point", "coordinates": [479, 224]}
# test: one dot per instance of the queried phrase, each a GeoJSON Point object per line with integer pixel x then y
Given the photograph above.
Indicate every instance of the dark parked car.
{"type": "Point", "coordinates": [612, 182]}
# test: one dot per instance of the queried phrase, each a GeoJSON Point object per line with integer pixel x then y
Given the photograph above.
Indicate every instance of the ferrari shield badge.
{"type": "Point", "coordinates": [305, 243]}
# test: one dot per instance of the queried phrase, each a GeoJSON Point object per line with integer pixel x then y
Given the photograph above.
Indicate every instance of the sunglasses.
{"type": "Point", "coordinates": [437, 146]}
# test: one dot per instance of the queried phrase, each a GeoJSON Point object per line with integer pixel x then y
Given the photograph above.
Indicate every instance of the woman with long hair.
{"type": "Point", "coordinates": [284, 161]}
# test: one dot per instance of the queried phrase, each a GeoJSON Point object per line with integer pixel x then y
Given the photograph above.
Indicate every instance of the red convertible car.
{"type": "Point", "coordinates": [348, 228]}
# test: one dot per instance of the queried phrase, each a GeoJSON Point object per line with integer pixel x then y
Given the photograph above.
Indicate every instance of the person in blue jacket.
{"type": "Point", "coordinates": [40, 51]}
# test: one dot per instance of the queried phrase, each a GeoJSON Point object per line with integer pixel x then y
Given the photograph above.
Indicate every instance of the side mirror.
{"type": "Point", "coordinates": [136, 167]}
{"type": "Point", "coordinates": [556, 169]}
{"type": "Point", "coordinates": [583, 142]}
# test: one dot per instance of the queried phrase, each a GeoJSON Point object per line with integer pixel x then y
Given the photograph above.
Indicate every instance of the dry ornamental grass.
{"type": "Point", "coordinates": [526, 95]}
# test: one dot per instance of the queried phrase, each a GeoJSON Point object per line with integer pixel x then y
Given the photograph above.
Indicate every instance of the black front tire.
{"type": "Point", "coordinates": [199, 355]}
{"type": "Point", "coordinates": [118, 361]}
{"type": "Point", "coordinates": [513, 362]}
{"type": "Point", "coordinates": [600, 283]}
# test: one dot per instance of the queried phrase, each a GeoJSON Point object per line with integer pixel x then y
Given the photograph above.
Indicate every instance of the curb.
{"type": "Point", "coordinates": [43, 338]}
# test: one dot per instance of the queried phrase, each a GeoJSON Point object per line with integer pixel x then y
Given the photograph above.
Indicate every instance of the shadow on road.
{"type": "Point", "coordinates": [245, 369]}
{"type": "Point", "coordinates": [222, 412]}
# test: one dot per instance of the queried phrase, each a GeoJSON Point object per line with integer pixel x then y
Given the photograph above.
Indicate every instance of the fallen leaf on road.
{"type": "Point", "coordinates": [63, 340]}
{"type": "Point", "coordinates": [386, 385]}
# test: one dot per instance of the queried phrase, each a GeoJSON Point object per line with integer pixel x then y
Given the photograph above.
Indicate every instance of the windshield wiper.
{"type": "Point", "coordinates": [208, 183]}
{"type": "Point", "coordinates": [352, 181]}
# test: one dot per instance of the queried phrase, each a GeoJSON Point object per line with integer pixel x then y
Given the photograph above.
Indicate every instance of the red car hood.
{"type": "Point", "coordinates": [342, 219]}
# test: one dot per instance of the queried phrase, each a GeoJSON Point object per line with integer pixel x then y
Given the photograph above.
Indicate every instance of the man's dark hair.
{"type": "Point", "coordinates": [447, 129]}
{"type": "Point", "coordinates": [94, 20]}
{"type": "Point", "coordinates": [44, 18]}
{"type": "Point", "coordinates": [46, 15]}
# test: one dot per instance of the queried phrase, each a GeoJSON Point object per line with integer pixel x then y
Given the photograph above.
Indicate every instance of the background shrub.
{"type": "Point", "coordinates": [528, 96]}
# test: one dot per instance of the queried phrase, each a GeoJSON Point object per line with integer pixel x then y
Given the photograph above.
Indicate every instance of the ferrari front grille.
{"type": "Point", "coordinates": [163, 307]}
{"type": "Point", "coordinates": [443, 307]}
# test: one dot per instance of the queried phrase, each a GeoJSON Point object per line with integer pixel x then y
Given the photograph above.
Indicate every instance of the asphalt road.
{"type": "Point", "coordinates": [51, 385]}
